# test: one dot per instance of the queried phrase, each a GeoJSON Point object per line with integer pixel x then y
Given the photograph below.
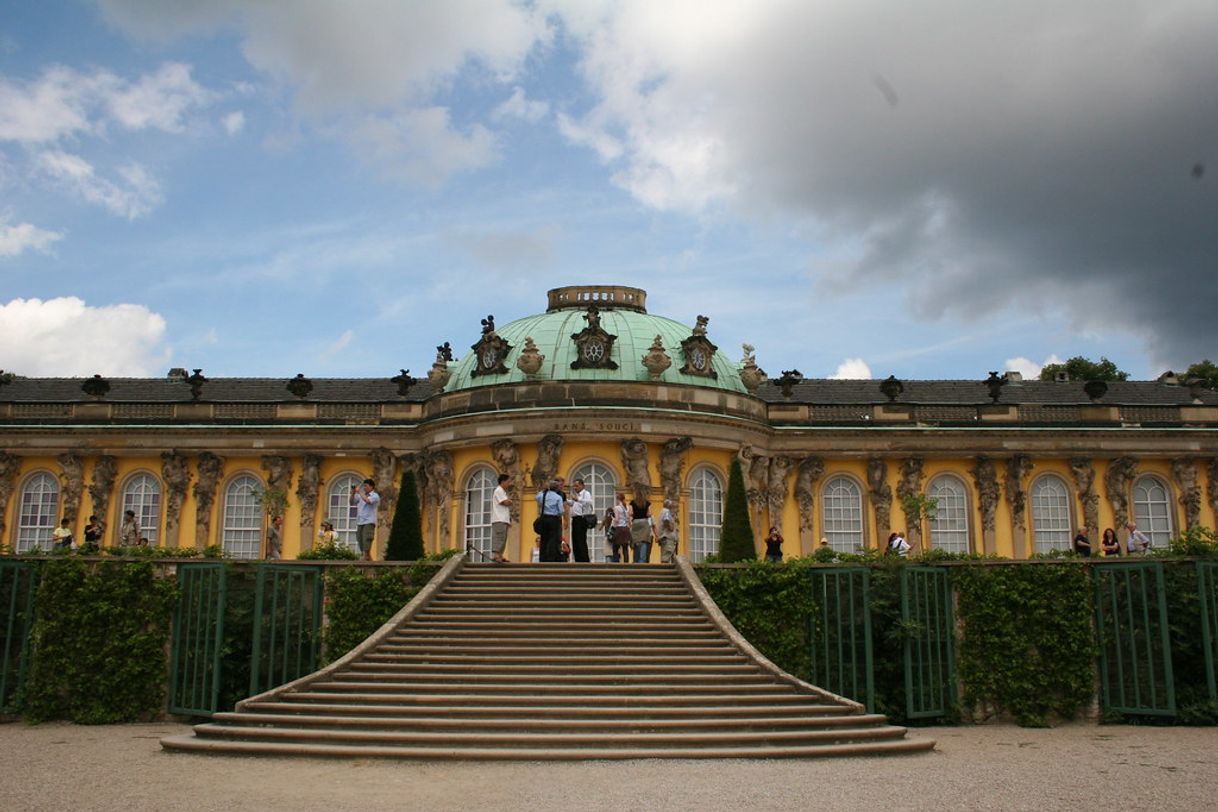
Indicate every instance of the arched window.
{"type": "Point", "coordinates": [142, 493]}
{"type": "Point", "coordinates": [39, 513]}
{"type": "Point", "coordinates": [705, 513]}
{"type": "Point", "coordinates": [478, 491]}
{"type": "Point", "coordinates": [339, 510]}
{"type": "Point", "coordinates": [1152, 509]}
{"type": "Point", "coordinates": [842, 514]}
{"type": "Point", "coordinates": [949, 529]}
{"type": "Point", "coordinates": [1051, 525]}
{"type": "Point", "coordinates": [241, 531]}
{"type": "Point", "coordinates": [601, 482]}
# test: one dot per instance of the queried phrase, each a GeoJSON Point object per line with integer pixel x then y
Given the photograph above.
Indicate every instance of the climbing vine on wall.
{"type": "Point", "coordinates": [99, 645]}
{"type": "Point", "coordinates": [1026, 646]}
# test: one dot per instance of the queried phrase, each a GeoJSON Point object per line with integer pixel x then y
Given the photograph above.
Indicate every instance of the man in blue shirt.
{"type": "Point", "coordinates": [365, 498]}
{"type": "Point", "coordinates": [552, 506]}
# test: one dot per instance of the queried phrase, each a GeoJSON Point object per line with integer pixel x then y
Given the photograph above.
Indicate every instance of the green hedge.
{"type": "Point", "coordinates": [100, 638]}
{"type": "Point", "coordinates": [359, 600]}
{"type": "Point", "coordinates": [1026, 646]}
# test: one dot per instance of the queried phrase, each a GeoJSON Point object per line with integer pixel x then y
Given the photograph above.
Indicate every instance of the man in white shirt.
{"type": "Point", "coordinates": [365, 498]}
{"type": "Point", "coordinates": [583, 514]}
{"type": "Point", "coordinates": [1139, 542]}
{"type": "Point", "coordinates": [501, 517]}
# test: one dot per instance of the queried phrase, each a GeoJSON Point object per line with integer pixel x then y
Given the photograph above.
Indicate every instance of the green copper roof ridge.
{"type": "Point", "coordinates": [634, 331]}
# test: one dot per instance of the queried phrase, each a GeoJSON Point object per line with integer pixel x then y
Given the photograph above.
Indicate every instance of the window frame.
{"type": "Point", "coordinates": [703, 537]}
{"type": "Point", "coordinates": [149, 521]}
{"type": "Point", "coordinates": [236, 547]}
{"type": "Point", "coordinates": [965, 512]}
{"type": "Point", "coordinates": [826, 532]}
{"type": "Point", "coordinates": [28, 538]}
{"type": "Point", "coordinates": [340, 497]}
{"type": "Point", "coordinates": [1160, 528]}
{"type": "Point", "coordinates": [1067, 538]}
{"type": "Point", "coordinates": [477, 535]}
{"type": "Point", "coordinates": [597, 548]}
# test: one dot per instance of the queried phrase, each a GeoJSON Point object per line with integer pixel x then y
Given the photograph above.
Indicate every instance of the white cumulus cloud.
{"type": "Point", "coordinates": [16, 239]}
{"type": "Point", "coordinates": [1028, 368]}
{"type": "Point", "coordinates": [852, 368]}
{"type": "Point", "coordinates": [65, 336]}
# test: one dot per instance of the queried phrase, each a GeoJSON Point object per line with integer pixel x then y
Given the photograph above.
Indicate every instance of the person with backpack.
{"type": "Point", "coordinates": [897, 545]}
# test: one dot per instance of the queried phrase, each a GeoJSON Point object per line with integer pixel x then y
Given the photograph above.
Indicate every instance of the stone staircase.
{"type": "Point", "coordinates": [552, 662]}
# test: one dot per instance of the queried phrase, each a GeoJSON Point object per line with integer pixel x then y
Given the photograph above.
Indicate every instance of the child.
{"type": "Point", "coordinates": [536, 550]}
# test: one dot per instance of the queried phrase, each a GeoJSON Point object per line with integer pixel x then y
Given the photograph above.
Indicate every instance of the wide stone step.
{"type": "Point", "coordinates": [555, 724]}
{"type": "Point", "coordinates": [537, 753]}
{"type": "Point", "coordinates": [439, 681]}
{"type": "Point", "coordinates": [508, 636]}
{"type": "Point", "coordinates": [541, 709]}
{"type": "Point", "coordinates": [551, 620]}
{"type": "Point", "coordinates": [562, 590]}
{"type": "Point", "coordinates": [567, 659]}
{"type": "Point", "coordinates": [463, 696]}
{"type": "Point", "coordinates": [531, 738]}
{"type": "Point", "coordinates": [552, 662]}
{"type": "Point", "coordinates": [577, 671]}
{"type": "Point", "coordinates": [520, 639]}
{"type": "Point", "coordinates": [623, 601]}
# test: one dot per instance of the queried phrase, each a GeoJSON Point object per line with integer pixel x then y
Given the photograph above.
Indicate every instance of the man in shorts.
{"type": "Point", "coordinates": [501, 518]}
{"type": "Point", "coordinates": [366, 499]}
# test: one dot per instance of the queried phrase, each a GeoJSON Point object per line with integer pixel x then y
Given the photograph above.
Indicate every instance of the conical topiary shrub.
{"type": "Point", "coordinates": [406, 533]}
{"type": "Point", "coordinates": [736, 536]}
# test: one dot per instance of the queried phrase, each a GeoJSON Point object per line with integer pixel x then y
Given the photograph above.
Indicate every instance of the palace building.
{"type": "Point", "coordinates": [597, 388]}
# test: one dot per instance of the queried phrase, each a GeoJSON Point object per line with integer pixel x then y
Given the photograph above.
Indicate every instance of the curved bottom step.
{"type": "Point", "coordinates": [222, 747]}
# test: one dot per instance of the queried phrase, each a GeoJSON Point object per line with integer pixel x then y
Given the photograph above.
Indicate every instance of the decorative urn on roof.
{"type": "Point", "coordinates": [751, 375]}
{"type": "Point", "coordinates": [439, 373]}
{"type": "Point", "coordinates": [530, 359]}
{"type": "Point", "coordinates": [656, 360]}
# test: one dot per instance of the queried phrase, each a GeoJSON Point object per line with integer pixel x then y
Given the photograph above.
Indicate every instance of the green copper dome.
{"type": "Point", "coordinates": [621, 313]}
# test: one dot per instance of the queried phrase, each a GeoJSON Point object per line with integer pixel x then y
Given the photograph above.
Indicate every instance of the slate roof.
{"type": "Point", "coordinates": [1122, 393]}
{"type": "Point", "coordinates": [810, 391]}
{"type": "Point", "coordinates": [222, 390]}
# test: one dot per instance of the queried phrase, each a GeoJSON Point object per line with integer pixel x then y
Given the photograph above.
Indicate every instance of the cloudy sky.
{"type": "Point", "coordinates": [931, 189]}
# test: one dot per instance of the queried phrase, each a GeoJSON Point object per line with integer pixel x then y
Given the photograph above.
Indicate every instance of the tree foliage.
{"type": "Point", "coordinates": [736, 537]}
{"type": "Point", "coordinates": [406, 533]}
{"type": "Point", "coordinates": [1079, 368]}
{"type": "Point", "coordinates": [1207, 371]}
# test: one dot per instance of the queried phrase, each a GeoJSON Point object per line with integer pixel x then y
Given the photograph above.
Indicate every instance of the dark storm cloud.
{"type": "Point", "coordinates": [984, 154]}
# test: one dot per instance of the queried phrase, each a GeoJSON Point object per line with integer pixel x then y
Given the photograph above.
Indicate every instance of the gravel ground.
{"type": "Point", "coordinates": [1076, 767]}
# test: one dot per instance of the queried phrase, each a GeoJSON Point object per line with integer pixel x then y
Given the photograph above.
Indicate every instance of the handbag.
{"type": "Point", "coordinates": [537, 525]}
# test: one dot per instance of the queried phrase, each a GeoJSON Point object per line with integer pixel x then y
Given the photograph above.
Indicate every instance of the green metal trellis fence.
{"type": "Point", "coordinates": [840, 633]}
{"type": "Point", "coordinates": [18, 585]}
{"type": "Point", "coordinates": [1133, 636]}
{"type": "Point", "coordinates": [1207, 586]}
{"type": "Point", "coordinates": [198, 639]}
{"type": "Point", "coordinates": [287, 625]}
{"type": "Point", "coordinates": [930, 661]}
